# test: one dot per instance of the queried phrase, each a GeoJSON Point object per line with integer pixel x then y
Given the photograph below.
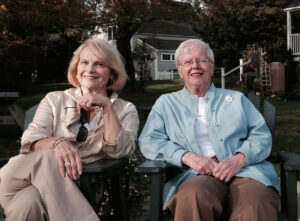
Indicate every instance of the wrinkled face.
{"type": "Point", "coordinates": [92, 74]}
{"type": "Point", "coordinates": [196, 69]}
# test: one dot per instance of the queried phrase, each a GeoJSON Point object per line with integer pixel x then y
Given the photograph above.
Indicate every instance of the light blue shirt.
{"type": "Point", "coordinates": [233, 123]}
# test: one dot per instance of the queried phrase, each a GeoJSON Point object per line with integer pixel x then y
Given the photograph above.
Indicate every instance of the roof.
{"type": "Point", "coordinates": [163, 44]}
{"type": "Point", "coordinates": [294, 4]}
{"type": "Point", "coordinates": [167, 28]}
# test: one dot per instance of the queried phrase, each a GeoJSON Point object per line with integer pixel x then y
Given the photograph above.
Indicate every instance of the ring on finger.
{"type": "Point", "coordinates": [67, 164]}
{"type": "Point", "coordinates": [85, 101]}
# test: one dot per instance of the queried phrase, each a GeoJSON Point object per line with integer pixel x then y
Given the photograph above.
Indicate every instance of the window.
{"type": "Point", "coordinates": [167, 57]}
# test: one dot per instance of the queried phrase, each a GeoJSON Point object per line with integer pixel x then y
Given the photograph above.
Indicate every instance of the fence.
{"type": "Point", "coordinates": [168, 75]}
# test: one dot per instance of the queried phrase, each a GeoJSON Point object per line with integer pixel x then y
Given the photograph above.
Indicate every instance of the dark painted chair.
{"type": "Point", "coordinates": [93, 175]}
{"type": "Point", "coordinates": [255, 99]}
{"type": "Point", "coordinates": [160, 171]}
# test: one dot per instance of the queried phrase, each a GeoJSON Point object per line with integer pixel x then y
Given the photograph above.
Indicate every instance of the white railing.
{"type": "Point", "coordinates": [168, 75]}
{"type": "Point", "coordinates": [239, 67]}
{"type": "Point", "coordinates": [295, 43]}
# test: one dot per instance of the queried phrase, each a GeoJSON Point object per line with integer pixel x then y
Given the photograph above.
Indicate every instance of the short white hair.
{"type": "Point", "coordinates": [193, 43]}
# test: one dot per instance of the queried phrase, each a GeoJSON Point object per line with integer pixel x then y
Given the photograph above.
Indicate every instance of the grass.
{"type": "Point", "coordinates": [287, 130]}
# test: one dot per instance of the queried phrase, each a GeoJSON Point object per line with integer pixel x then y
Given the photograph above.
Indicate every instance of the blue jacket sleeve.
{"type": "Point", "coordinates": [258, 145]}
{"type": "Point", "coordinates": [154, 141]}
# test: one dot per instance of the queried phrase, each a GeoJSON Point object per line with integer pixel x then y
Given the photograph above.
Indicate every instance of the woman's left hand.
{"type": "Point", "coordinates": [228, 168]}
{"type": "Point", "coordinates": [90, 102]}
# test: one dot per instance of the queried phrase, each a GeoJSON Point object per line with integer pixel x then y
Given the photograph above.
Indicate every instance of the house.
{"type": "Point", "coordinates": [293, 30]}
{"type": "Point", "coordinates": [163, 37]}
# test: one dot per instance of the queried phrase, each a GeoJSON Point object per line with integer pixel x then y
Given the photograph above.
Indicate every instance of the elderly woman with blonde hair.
{"type": "Point", "coordinates": [70, 128]}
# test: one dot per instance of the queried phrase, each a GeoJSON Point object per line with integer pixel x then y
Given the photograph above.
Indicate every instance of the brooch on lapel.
{"type": "Point", "coordinates": [228, 98]}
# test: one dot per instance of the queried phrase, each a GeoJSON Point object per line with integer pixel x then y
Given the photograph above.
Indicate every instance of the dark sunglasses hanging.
{"type": "Point", "coordinates": [83, 131]}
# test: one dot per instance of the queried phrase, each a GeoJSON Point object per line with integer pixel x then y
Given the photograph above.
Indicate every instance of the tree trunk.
{"type": "Point", "coordinates": [123, 45]}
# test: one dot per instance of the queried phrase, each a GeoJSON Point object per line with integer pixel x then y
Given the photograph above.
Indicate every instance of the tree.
{"type": "Point", "coordinates": [38, 36]}
{"type": "Point", "coordinates": [127, 16]}
{"type": "Point", "coordinates": [143, 56]}
{"type": "Point", "coordinates": [229, 25]}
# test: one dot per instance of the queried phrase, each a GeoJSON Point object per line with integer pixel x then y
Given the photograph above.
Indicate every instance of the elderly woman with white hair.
{"type": "Point", "coordinates": [70, 128]}
{"type": "Point", "coordinates": [218, 139]}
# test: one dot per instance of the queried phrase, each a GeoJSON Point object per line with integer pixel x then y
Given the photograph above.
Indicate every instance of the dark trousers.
{"type": "Point", "coordinates": [242, 199]}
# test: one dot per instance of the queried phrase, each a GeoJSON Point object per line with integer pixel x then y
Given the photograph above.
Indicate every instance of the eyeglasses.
{"type": "Point", "coordinates": [83, 131]}
{"type": "Point", "coordinates": [189, 63]}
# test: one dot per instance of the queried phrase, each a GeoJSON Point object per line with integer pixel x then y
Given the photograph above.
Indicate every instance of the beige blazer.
{"type": "Point", "coordinates": [57, 113]}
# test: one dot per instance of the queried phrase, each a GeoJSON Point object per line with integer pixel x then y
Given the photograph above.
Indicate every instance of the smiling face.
{"type": "Point", "coordinates": [92, 74]}
{"type": "Point", "coordinates": [196, 70]}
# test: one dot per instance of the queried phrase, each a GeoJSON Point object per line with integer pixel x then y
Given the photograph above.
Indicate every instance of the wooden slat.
{"type": "Point", "coordinates": [18, 114]}
{"type": "Point", "coordinates": [9, 96]}
{"type": "Point", "coordinates": [7, 120]}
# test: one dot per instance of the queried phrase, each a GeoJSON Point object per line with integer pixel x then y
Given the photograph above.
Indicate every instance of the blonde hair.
{"type": "Point", "coordinates": [110, 57]}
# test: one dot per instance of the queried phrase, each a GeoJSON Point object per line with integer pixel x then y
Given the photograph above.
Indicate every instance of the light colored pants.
{"type": "Point", "coordinates": [31, 188]}
{"type": "Point", "coordinates": [206, 198]}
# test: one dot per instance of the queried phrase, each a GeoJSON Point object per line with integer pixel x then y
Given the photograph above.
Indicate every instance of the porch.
{"type": "Point", "coordinates": [293, 39]}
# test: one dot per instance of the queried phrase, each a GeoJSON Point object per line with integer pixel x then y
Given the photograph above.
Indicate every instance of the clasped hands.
{"type": "Point", "coordinates": [223, 170]}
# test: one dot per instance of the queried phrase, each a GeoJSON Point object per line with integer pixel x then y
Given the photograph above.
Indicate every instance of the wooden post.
{"type": "Point", "coordinates": [241, 69]}
{"type": "Point", "coordinates": [260, 71]}
{"type": "Point", "coordinates": [223, 77]}
{"type": "Point", "coordinates": [289, 29]}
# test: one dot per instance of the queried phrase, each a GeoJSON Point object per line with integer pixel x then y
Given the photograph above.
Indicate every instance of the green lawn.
{"type": "Point", "coordinates": [287, 131]}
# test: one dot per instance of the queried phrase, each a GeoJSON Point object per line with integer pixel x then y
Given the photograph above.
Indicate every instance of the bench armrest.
{"type": "Point", "coordinates": [151, 166]}
{"type": "Point", "coordinates": [289, 175]}
{"type": "Point", "coordinates": [290, 161]}
{"type": "Point", "coordinates": [106, 166]}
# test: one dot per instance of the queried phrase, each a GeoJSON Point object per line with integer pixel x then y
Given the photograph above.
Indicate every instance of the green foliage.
{"type": "Point", "coordinates": [277, 52]}
{"type": "Point", "coordinates": [250, 49]}
{"type": "Point", "coordinates": [39, 37]}
{"type": "Point", "coordinates": [229, 25]}
{"type": "Point", "coordinates": [143, 56]}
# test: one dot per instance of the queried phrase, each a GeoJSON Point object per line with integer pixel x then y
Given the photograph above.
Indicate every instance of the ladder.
{"type": "Point", "coordinates": [265, 74]}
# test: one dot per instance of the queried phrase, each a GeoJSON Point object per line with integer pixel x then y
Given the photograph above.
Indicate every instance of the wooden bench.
{"type": "Point", "coordinates": [159, 172]}
{"type": "Point", "coordinates": [17, 114]}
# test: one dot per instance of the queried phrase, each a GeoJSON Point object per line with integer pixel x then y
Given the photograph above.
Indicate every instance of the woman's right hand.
{"type": "Point", "coordinates": [199, 163]}
{"type": "Point", "coordinates": [68, 159]}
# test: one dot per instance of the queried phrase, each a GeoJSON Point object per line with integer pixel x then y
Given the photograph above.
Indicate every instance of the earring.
{"type": "Point", "coordinates": [110, 82]}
